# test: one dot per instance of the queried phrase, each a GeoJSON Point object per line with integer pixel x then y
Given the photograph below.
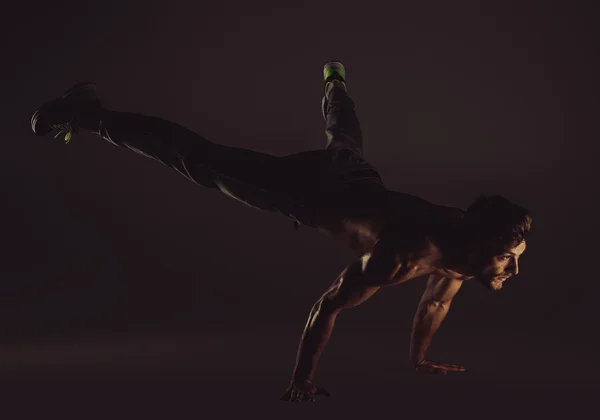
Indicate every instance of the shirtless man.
{"type": "Point", "coordinates": [397, 237]}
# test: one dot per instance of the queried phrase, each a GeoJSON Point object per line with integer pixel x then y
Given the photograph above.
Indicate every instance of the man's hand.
{"type": "Point", "coordinates": [428, 366]}
{"type": "Point", "coordinates": [432, 310]}
{"type": "Point", "coordinates": [304, 391]}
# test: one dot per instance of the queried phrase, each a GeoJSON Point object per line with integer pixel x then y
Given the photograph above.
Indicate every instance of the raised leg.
{"type": "Point", "coordinates": [344, 135]}
{"type": "Point", "coordinates": [259, 180]}
{"type": "Point", "coordinates": [341, 123]}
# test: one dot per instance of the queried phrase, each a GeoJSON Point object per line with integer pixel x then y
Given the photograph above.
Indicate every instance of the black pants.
{"type": "Point", "coordinates": [304, 186]}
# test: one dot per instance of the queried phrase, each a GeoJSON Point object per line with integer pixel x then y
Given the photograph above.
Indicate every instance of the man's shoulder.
{"type": "Point", "coordinates": [407, 211]}
{"type": "Point", "coordinates": [415, 224]}
{"type": "Point", "coordinates": [415, 252]}
{"type": "Point", "coordinates": [404, 203]}
{"type": "Point", "coordinates": [405, 238]}
{"type": "Point", "coordinates": [451, 215]}
{"type": "Point", "coordinates": [400, 200]}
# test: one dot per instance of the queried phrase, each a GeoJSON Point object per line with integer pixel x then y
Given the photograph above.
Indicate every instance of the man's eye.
{"type": "Point", "coordinates": [504, 257]}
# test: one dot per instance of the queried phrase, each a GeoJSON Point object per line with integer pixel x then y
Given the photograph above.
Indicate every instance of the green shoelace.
{"type": "Point", "coordinates": [69, 128]}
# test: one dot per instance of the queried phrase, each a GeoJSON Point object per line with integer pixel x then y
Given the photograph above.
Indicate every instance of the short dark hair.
{"type": "Point", "coordinates": [493, 222]}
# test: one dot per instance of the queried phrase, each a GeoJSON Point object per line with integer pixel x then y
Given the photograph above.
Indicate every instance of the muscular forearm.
{"type": "Point", "coordinates": [427, 320]}
{"type": "Point", "coordinates": [354, 286]}
{"type": "Point", "coordinates": [314, 338]}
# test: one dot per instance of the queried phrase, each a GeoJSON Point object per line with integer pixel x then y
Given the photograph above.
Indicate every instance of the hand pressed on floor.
{"type": "Point", "coordinates": [428, 366]}
{"type": "Point", "coordinates": [304, 391]}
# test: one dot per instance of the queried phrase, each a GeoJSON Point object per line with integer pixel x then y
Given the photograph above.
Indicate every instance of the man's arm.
{"type": "Point", "coordinates": [357, 283]}
{"type": "Point", "coordinates": [432, 310]}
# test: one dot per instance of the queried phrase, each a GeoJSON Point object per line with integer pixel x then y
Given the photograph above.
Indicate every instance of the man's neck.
{"type": "Point", "coordinates": [454, 261]}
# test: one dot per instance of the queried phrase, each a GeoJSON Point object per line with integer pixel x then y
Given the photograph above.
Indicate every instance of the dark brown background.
{"type": "Point", "coordinates": [124, 283]}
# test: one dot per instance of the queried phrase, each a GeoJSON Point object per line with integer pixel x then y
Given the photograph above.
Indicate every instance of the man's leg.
{"type": "Point", "coordinates": [352, 187]}
{"type": "Point", "coordinates": [257, 179]}
{"type": "Point", "coordinates": [344, 135]}
{"type": "Point", "coordinates": [342, 126]}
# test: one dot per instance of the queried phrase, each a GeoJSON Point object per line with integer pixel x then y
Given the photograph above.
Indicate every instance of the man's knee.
{"type": "Point", "coordinates": [348, 136]}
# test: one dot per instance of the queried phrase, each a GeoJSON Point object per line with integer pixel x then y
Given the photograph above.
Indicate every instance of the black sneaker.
{"type": "Point", "coordinates": [67, 112]}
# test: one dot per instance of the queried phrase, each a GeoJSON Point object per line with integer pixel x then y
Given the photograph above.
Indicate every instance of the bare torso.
{"type": "Point", "coordinates": [425, 221]}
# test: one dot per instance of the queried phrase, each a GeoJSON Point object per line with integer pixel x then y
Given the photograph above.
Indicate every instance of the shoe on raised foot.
{"type": "Point", "coordinates": [334, 74]}
{"type": "Point", "coordinates": [79, 104]}
{"type": "Point", "coordinates": [334, 70]}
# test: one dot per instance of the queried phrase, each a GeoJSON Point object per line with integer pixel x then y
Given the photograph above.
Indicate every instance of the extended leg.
{"type": "Point", "coordinates": [257, 179]}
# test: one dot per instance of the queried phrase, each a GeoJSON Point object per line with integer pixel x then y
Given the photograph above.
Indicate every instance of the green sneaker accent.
{"type": "Point", "coordinates": [334, 70]}
{"type": "Point", "coordinates": [68, 128]}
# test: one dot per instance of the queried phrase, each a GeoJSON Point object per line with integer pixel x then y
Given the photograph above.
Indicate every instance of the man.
{"type": "Point", "coordinates": [397, 237]}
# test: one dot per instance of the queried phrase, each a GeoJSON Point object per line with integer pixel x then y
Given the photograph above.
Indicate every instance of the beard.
{"type": "Point", "coordinates": [494, 285]}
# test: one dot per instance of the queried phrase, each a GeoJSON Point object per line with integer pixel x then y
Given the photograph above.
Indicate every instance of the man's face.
{"type": "Point", "coordinates": [493, 271]}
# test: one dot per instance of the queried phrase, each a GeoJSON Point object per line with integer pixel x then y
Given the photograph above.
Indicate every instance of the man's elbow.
{"type": "Point", "coordinates": [437, 305]}
{"type": "Point", "coordinates": [328, 305]}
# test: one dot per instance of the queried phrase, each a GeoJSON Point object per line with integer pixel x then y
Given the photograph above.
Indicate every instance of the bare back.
{"type": "Point", "coordinates": [402, 219]}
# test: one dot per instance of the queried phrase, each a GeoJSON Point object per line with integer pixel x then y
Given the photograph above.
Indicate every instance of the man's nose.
{"type": "Point", "coordinates": [514, 268]}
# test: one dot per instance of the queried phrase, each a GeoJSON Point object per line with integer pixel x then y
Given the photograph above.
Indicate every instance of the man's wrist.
{"type": "Point", "coordinates": [300, 375]}
{"type": "Point", "coordinates": [304, 381]}
{"type": "Point", "coordinates": [417, 360]}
